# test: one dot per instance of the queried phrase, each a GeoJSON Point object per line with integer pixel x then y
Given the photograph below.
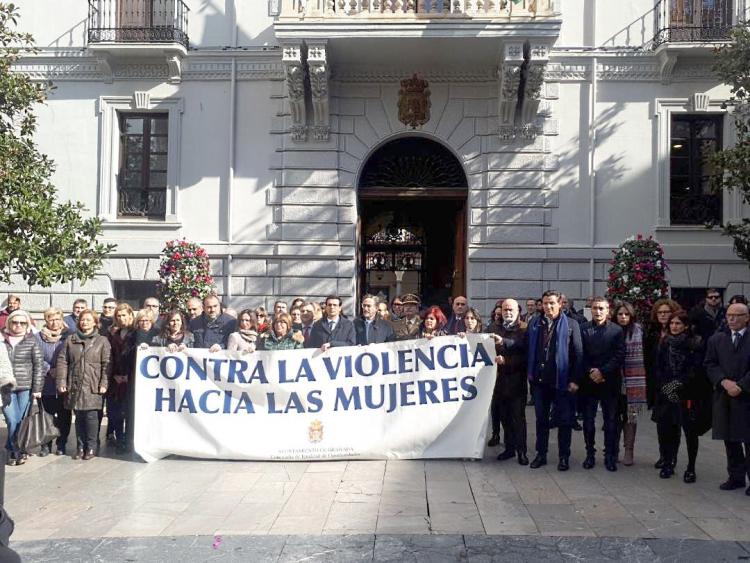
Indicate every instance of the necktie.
{"type": "Point", "coordinates": [735, 339]}
{"type": "Point", "coordinates": [367, 331]}
{"type": "Point", "coordinates": [306, 333]}
{"type": "Point", "coordinates": [330, 326]}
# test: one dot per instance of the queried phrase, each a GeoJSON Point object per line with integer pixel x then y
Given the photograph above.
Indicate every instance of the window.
{"type": "Point", "coordinates": [139, 161]}
{"type": "Point", "coordinates": [134, 292]}
{"type": "Point", "coordinates": [142, 181]}
{"type": "Point", "coordinates": [691, 201]}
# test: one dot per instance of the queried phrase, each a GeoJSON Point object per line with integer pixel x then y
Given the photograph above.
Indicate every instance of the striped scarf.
{"type": "Point", "coordinates": [634, 372]}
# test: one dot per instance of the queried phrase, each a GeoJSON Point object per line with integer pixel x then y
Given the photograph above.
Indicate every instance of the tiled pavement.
{"type": "Point", "coordinates": [55, 497]}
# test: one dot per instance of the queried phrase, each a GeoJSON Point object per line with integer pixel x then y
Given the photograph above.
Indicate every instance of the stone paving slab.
{"type": "Point", "coordinates": [117, 497]}
{"type": "Point", "coordinates": [381, 548]}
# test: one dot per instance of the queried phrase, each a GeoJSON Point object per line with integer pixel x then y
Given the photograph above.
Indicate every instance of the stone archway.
{"type": "Point", "coordinates": [412, 221]}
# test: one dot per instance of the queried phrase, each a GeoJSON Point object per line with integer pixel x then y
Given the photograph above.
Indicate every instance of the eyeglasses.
{"type": "Point", "coordinates": [21, 323]}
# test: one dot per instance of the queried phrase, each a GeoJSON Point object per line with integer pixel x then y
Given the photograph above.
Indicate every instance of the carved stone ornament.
{"type": "Point", "coordinates": [414, 102]}
{"type": "Point", "coordinates": [318, 72]}
{"type": "Point", "coordinates": [295, 89]}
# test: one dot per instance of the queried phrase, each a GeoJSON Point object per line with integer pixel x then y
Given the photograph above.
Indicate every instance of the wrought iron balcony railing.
{"type": "Point", "coordinates": [138, 21]}
{"type": "Point", "coordinates": [404, 9]}
{"type": "Point", "coordinates": [137, 202]}
{"type": "Point", "coordinates": [699, 209]}
{"type": "Point", "coordinates": [696, 21]}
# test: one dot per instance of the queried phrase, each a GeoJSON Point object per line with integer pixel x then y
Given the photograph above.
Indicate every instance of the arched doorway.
{"type": "Point", "coordinates": [412, 221]}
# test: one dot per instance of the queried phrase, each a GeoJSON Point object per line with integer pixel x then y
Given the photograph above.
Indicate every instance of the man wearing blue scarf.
{"type": "Point", "coordinates": [554, 366]}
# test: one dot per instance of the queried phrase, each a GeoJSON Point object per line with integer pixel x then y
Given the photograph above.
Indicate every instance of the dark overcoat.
{"type": "Point", "coordinates": [731, 415]}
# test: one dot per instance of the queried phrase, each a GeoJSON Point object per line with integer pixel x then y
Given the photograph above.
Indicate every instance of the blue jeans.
{"type": "Point", "coordinates": [19, 402]}
{"type": "Point", "coordinates": [565, 410]}
{"type": "Point", "coordinates": [589, 406]}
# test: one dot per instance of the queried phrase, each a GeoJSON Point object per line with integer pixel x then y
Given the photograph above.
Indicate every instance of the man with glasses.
{"type": "Point", "coordinates": [153, 305]}
{"type": "Point", "coordinates": [509, 396]}
{"type": "Point", "coordinates": [728, 368]}
{"type": "Point", "coordinates": [601, 381]}
{"type": "Point", "coordinates": [108, 315]}
{"type": "Point", "coordinates": [708, 317]}
{"type": "Point", "coordinates": [71, 321]}
{"type": "Point", "coordinates": [332, 330]}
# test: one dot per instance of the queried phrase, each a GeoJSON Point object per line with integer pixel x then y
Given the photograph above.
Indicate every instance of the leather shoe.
{"type": "Point", "coordinates": [494, 441]}
{"type": "Point", "coordinates": [564, 464]}
{"type": "Point", "coordinates": [88, 455]}
{"type": "Point", "coordinates": [610, 463]}
{"type": "Point", "coordinates": [523, 458]}
{"type": "Point", "coordinates": [659, 464]}
{"type": "Point", "coordinates": [589, 462]}
{"type": "Point", "coordinates": [730, 485]}
{"type": "Point", "coordinates": [78, 454]}
{"type": "Point", "coordinates": [666, 472]}
{"type": "Point", "coordinates": [689, 476]}
{"type": "Point", "coordinates": [539, 460]}
{"type": "Point", "coordinates": [507, 454]}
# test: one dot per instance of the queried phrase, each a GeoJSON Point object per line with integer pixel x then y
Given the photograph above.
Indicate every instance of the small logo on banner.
{"type": "Point", "coordinates": [315, 432]}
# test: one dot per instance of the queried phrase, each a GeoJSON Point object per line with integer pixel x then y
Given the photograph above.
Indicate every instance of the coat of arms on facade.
{"type": "Point", "coordinates": [414, 102]}
{"type": "Point", "coordinates": [315, 432]}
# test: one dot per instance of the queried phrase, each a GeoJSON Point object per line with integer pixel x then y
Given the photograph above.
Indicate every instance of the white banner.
{"type": "Point", "coordinates": [401, 400]}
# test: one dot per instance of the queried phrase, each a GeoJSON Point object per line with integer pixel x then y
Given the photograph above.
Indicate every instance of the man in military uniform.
{"type": "Point", "coordinates": [407, 327]}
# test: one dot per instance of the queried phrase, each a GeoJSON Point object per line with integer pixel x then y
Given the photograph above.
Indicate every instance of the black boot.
{"type": "Point", "coordinates": [610, 463]}
{"type": "Point", "coordinates": [589, 462]}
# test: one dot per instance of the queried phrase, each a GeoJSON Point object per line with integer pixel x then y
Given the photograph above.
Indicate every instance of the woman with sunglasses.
{"type": "Point", "coordinates": [27, 362]}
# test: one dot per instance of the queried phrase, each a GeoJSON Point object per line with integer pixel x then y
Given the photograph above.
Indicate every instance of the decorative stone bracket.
{"type": "Point", "coordinates": [307, 63]}
{"type": "Point", "coordinates": [521, 76]}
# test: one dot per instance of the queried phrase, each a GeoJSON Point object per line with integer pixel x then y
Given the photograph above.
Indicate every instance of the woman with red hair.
{"type": "Point", "coordinates": [433, 322]}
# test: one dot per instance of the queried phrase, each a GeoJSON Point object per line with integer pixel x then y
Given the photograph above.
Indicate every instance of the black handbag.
{"type": "Point", "coordinates": [36, 428]}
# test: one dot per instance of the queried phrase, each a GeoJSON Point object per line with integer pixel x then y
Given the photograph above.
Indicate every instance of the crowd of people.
{"type": "Point", "coordinates": [691, 371]}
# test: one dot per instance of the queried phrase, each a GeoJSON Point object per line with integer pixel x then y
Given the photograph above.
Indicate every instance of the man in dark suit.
{"type": "Point", "coordinates": [456, 321]}
{"type": "Point", "coordinates": [212, 329]}
{"type": "Point", "coordinates": [555, 359]}
{"type": "Point", "coordinates": [601, 380]}
{"type": "Point", "coordinates": [509, 396]}
{"type": "Point", "coordinates": [728, 367]}
{"type": "Point", "coordinates": [332, 330]}
{"type": "Point", "coordinates": [369, 329]}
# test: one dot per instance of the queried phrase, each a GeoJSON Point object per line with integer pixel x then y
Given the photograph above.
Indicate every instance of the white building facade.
{"type": "Point", "coordinates": [295, 141]}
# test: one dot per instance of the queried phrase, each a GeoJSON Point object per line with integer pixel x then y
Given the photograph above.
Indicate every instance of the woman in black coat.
{"type": "Point", "coordinates": [681, 395]}
{"type": "Point", "coordinates": [656, 330]}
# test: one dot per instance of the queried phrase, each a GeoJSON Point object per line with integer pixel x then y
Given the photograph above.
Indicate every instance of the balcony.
{"type": "Point", "coordinates": [688, 31]}
{"type": "Point", "coordinates": [696, 21]}
{"type": "Point", "coordinates": [417, 9]}
{"type": "Point", "coordinates": [138, 27]}
{"type": "Point", "coordinates": [330, 19]}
